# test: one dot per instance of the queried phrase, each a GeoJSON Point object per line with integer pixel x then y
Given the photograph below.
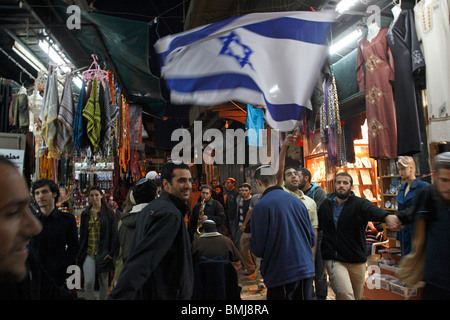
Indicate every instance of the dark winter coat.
{"type": "Point", "coordinates": [160, 263]}
{"type": "Point", "coordinates": [57, 245]}
{"type": "Point", "coordinates": [346, 242]}
{"type": "Point", "coordinates": [108, 242]}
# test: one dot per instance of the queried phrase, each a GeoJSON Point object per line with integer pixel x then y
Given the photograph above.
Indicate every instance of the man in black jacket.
{"type": "Point", "coordinates": [21, 275]}
{"type": "Point", "coordinates": [212, 210]}
{"type": "Point", "coordinates": [343, 218]}
{"type": "Point", "coordinates": [160, 263]}
{"type": "Point", "coordinates": [57, 245]}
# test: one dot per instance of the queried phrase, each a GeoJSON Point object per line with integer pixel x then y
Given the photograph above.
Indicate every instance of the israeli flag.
{"type": "Point", "coordinates": [267, 59]}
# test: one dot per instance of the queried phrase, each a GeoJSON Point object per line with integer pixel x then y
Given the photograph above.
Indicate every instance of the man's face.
{"type": "Point", "coordinates": [206, 194]}
{"type": "Point", "coordinates": [291, 178]}
{"type": "Point", "coordinates": [214, 183]}
{"type": "Point", "coordinates": [181, 184]}
{"type": "Point", "coordinates": [95, 198]}
{"type": "Point", "coordinates": [194, 186]}
{"type": "Point", "coordinates": [17, 224]}
{"type": "Point", "coordinates": [44, 197]}
{"type": "Point", "coordinates": [442, 181]}
{"type": "Point", "coordinates": [245, 192]}
{"type": "Point", "coordinates": [294, 152]}
{"type": "Point", "coordinates": [229, 184]}
{"type": "Point", "coordinates": [301, 180]}
{"type": "Point", "coordinates": [343, 187]}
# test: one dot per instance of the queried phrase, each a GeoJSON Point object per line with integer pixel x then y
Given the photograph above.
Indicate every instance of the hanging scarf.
{"type": "Point", "coordinates": [77, 133]}
{"type": "Point", "coordinates": [66, 117]}
{"type": "Point", "coordinates": [93, 115]}
{"type": "Point", "coordinates": [50, 123]}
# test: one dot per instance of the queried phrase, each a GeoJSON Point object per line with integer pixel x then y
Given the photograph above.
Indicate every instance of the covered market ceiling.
{"type": "Point", "coordinates": [121, 34]}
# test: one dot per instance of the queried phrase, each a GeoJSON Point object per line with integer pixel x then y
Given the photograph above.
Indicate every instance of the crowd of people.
{"type": "Point", "coordinates": [176, 239]}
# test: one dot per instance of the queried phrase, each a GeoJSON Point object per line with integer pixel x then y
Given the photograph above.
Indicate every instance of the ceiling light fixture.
{"type": "Point", "coordinates": [26, 55]}
{"type": "Point", "coordinates": [345, 5]}
{"type": "Point", "coordinates": [350, 38]}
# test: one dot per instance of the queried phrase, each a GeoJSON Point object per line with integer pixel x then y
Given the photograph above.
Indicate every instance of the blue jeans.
{"type": "Point", "coordinates": [298, 290]}
{"type": "Point", "coordinates": [89, 271]}
{"type": "Point", "coordinates": [320, 280]}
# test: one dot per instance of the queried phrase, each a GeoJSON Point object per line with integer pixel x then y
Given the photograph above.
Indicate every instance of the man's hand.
{"type": "Point", "coordinates": [290, 139]}
{"type": "Point", "coordinates": [393, 222]}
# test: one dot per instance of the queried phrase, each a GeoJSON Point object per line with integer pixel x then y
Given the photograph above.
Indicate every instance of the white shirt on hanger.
{"type": "Point", "coordinates": [373, 31]}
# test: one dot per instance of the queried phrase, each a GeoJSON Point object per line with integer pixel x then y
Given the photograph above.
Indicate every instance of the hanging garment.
{"type": "Point", "coordinates": [19, 117]}
{"type": "Point", "coordinates": [92, 114]}
{"type": "Point", "coordinates": [433, 29]}
{"type": "Point", "coordinates": [402, 40]}
{"type": "Point", "coordinates": [374, 72]}
{"type": "Point", "coordinates": [110, 113]}
{"type": "Point", "coordinates": [50, 123]}
{"type": "Point", "coordinates": [77, 134]}
{"type": "Point", "coordinates": [66, 117]}
{"type": "Point", "coordinates": [330, 122]}
{"type": "Point", "coordinates": [254, 125]}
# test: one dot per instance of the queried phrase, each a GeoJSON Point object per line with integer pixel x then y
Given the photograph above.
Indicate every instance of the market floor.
{"type": "Point", "coordinates": [249, 289]}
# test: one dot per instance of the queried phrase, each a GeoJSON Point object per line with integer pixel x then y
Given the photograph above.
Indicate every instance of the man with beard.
{"type": "Point", "coordinates": [343, 218]}
{"type": "Point", "coordinates": [160, 266]}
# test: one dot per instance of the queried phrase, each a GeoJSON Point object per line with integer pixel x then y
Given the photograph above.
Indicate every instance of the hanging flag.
{"type": "Point", "coordinates": [254, 125]}
{"type": "Point", "coordinates": [267, 59]}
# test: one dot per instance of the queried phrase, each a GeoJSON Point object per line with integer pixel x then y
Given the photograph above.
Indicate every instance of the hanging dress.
{"type": "Point", "coordinates": [374, 72]}
{"type": "Point", "coordinates": [433, 29]}
{"type": "Point", "coordinates": [402, 40]}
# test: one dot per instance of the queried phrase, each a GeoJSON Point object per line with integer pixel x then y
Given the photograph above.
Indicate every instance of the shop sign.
{"type": "Point", "coordinates": [16, 156]}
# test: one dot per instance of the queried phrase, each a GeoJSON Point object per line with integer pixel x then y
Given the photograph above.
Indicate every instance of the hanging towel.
{"type": "Point", "coordinates": [77, 133]}
{"type": "Point", "coordinates": [50, 123]}
{"type": "Point", "coordinates": [92, 114]}
{"type": "Point", "coordinates": [66, 117]}
{"type": "Point", "coordinates": [254, 125]}
{"type": "Point", "coordinates": [109, 117]}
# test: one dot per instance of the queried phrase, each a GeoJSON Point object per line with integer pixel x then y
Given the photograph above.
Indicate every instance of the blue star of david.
{"type": "Point", "coordinates": [226, 50]}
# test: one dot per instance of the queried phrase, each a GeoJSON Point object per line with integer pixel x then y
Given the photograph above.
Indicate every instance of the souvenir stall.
{"type": "Point", "coordinates": [85, 139]}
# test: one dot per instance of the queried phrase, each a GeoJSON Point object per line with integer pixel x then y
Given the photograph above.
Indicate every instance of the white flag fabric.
{"type": "Point", "coordinates": [267, 59]}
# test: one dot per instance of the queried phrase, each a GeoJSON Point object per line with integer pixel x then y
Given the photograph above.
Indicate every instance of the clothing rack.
{"type": "Point", "coordinates": [17, 64]}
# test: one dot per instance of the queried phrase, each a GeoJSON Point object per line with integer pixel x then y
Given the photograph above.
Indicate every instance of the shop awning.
{"type": "Point", "coordinates": [124, 46]}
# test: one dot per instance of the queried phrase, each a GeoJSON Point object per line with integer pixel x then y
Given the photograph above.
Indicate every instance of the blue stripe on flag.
{"type": "Point", "coordinates": [315, 32]}
{"type": "Point", "coordinates": [294, 29]}
{"type": "Point", "coordinates": [279, 112]}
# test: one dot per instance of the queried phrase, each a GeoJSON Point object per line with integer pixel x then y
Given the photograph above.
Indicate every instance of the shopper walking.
{"type": "Point", "coordinates": [231, 206]}
{"type": "Point", "coordinates": [318, 194]}
{"type": "Point", "coordinates": [282, 236]}
{"type": "Point", "coordinates": [98, 244]}
{"type": "Point", "coordinates": [160, 263]}
{"type": "Point", "coordinates": [406, 197]}
{"type": "Point", "coordinates": [429, 258]}
{"type": "Point", "coordinates": [343, 218]}
{"type": "Point", "coordinates": [140, 195]}
{"type": "Point", "coordinates": [57, 245]}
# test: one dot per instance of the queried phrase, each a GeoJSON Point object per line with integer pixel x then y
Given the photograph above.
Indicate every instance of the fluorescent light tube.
{"type": "Point", "coordinates": [350, 38]}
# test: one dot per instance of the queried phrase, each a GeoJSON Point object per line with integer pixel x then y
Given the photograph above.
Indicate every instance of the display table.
{"type": "Point", "coordinates": [384, 294]}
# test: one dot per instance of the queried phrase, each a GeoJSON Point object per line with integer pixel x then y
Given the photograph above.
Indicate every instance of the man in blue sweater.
{"type": "Point", "coordinates": [283, 236]}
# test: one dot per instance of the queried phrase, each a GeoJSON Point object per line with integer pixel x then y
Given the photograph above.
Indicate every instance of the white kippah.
{"type": "Point", "coordinates": [151, 175]}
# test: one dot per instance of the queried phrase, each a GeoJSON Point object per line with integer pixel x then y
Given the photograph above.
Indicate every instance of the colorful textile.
{"type": "Point", "coordinates": [92, 113]}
